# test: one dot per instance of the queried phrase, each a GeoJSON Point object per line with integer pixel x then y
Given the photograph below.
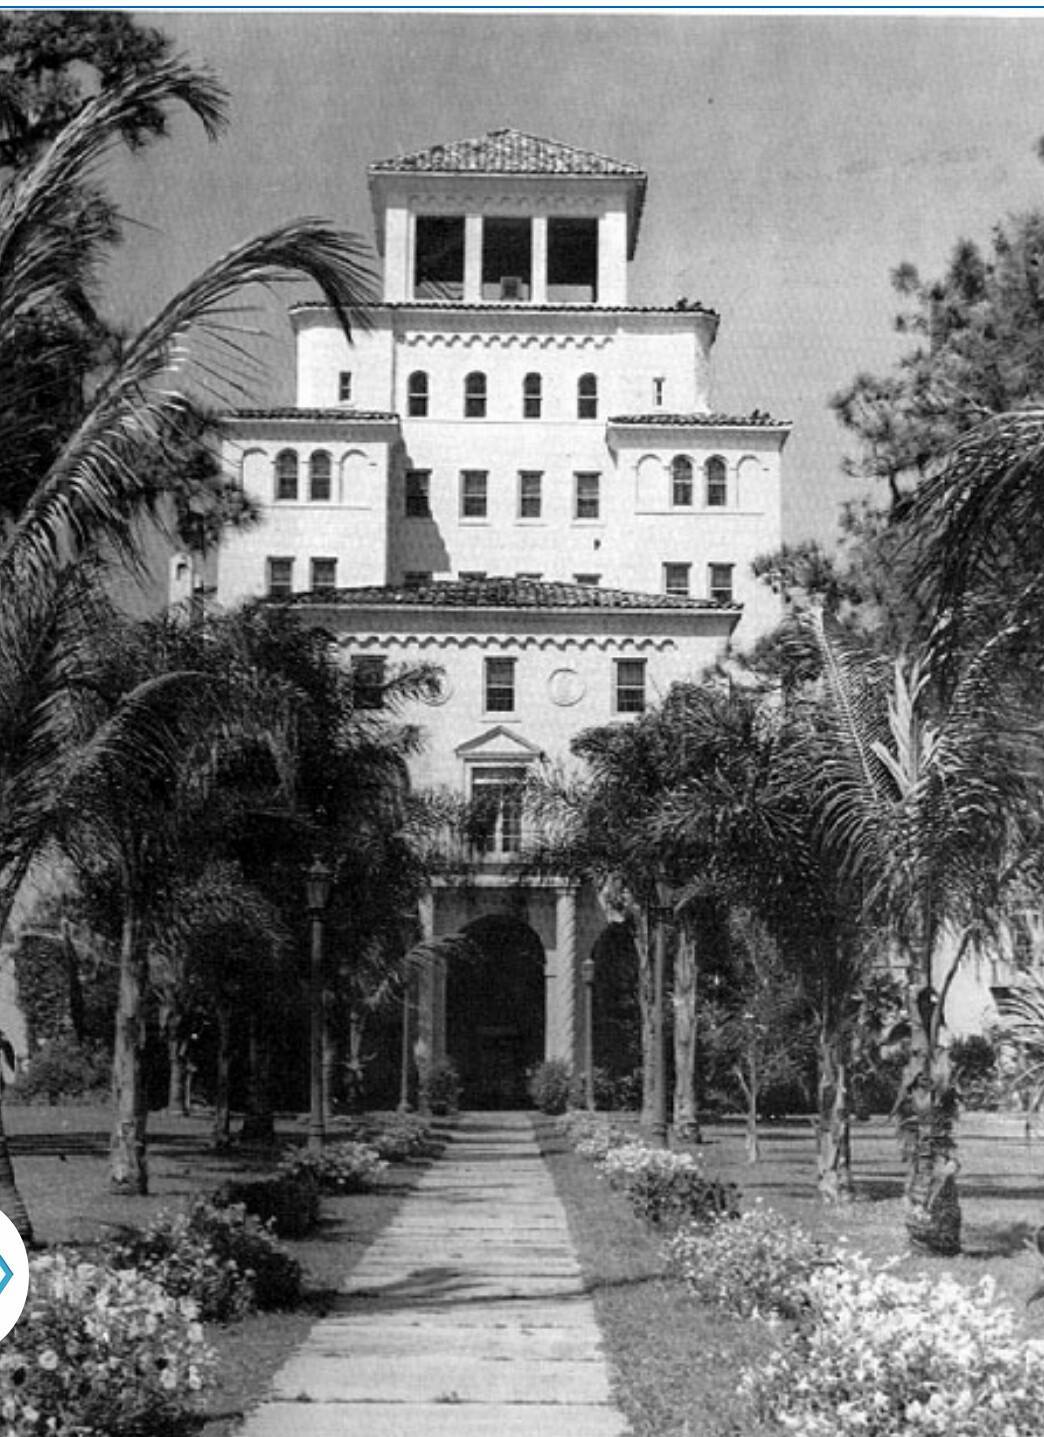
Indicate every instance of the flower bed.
{"type": "Point", "coordinates": [226, 1263]}
{"type": "Point", "coordinates": [888, 1357]}
{"type": "Point", "coordinates": [100, 1350]}
{"type": "Point", "coordinates": [665, 1188]}
{"type": "Point", "coordinates": [348, 1167]}
{"type": "Point", "coordinates": [760, 1265]}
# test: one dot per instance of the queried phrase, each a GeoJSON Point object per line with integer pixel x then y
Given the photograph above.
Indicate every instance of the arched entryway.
{"type": "Point", "coordinates": [495, 1011]}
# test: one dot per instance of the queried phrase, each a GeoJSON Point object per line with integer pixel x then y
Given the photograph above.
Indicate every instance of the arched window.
{"type": "Point", "coordinates": [532, 396]}
{"type": "Point", "coordinates": [417, 395]}
{"type": "Point", "coordinates": [587, 397]}
{"type": "Point", "coordinates": [286, 475]}
{"type": "Point", "coordinates": [681, 482]}
{"type": "Point", "coordinates": [319, 471]}
{"type": "Point", "coordinates": [475, 396]}
{"type": "Point", "coordinates": [717, 483]}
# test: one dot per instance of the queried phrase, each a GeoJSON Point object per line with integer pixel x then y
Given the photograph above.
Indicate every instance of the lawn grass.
{"type": "Point", "coordinates": [677, 1363]}
{"type": "Point", "coordinates": [61, 1165]}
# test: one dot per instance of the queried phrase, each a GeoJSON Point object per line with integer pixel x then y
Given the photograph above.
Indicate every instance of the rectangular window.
{"type": "Point", "coordinates": [532, 396]}
{"type": "Point", "coordinates": [720, 583]}
{"type": "Point", "coordinates": [344, 387]}
{"type": "Point", "coordinates": [496, 796]}
{"type": "Point", "coordinates": [418, 488]}
{"type": "Point", "coordinates": [368, 681]}
{"type": "Point", "coordinates": [587, 496]}
{"type": "Point", "coordinates": [676, 578]}
{"type": "Point", "coordinates": [507, 257]}
{"type": "Point", "coordinates": [630, 686]}
{"type": "Point", "coordinates": [416, 578]}
{"type": "Point", "coordinates": [530, 484]}
{"type": "Point", "coordinates": [590, 581]}
{"type": "Point", "coordinates": [500, 686]}
{"type": "Point", "coordinates": [439, 265]}
{"type": "Point", "coordinates": [572, 260]}
{"type": "Point", "coordinates": [280, 578]}
{"type": "Point", "coordinates": [658, 385]}
{"type": "Point", "coordinates": [474, 498]}
{"type": "Point", "coordinates": [324, 575]}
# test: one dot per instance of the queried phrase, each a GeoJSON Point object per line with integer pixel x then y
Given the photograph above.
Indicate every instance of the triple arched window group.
{"type": "Point", "coordinates": [288, 476]}
{"type": "Point", "coordinates": [476, 395]}
{"type": "Point", "coordinates": [714, 480]}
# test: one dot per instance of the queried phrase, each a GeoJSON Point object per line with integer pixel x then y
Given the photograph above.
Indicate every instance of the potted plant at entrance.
{"type": "Point", "coordinates": [440, 1087]}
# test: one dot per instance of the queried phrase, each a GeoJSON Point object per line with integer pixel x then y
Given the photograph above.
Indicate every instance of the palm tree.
{"type": "Point", "coordinates": [91, 496]}
{"type": "Point", "coordinates": [923, 801]}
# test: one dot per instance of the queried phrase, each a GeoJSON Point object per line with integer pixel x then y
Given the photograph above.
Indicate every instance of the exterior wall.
{"type": "Point", "coordinates": [351, 528]}
{"type": "Point", "coordinates": [564, 675]}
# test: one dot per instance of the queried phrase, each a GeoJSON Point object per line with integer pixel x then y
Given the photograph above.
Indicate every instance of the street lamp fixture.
{"type": "Point", "coordinates": [587, 969]}
{"type": "Point", "coordinates": [318, 887]}
{"type": "Point", "coordinates": [664, 914]}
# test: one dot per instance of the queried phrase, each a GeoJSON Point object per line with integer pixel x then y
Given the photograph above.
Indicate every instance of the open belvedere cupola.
{"type": "Point", "coordinates": [508, 218]}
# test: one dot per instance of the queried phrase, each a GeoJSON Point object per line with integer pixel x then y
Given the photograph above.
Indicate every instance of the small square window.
{"type": "Point", "coordinates": [280, 578]}
{"type": "Point", "coordinates": [630, 686]}
{"type": "Point", "coordinates": [587, 496]}
{"type": "Point", "coordinates": [324, 575]}
{"type": "Point", "coordinates": [530, 495]}
{"type": "Point", "coordinates": [344, 387]}
{"type": "Point", "coordinates": [418, 490]}
{"type": "Point", "coordinates": [500, 686]}
{"type": "Point", "coordinates": [368, 681]}
{"type": "Point", "coordinates": [474, 497]}
{"type": "Point", "coordinates": [590, 581]}
{"type": "Point", "coordinates": [676, 578]}
{"type": "Point", "coordinates": [720, 583]}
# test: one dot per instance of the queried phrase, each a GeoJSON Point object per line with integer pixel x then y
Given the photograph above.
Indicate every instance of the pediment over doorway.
{"type": "Point", "coordinates": [499, 745]}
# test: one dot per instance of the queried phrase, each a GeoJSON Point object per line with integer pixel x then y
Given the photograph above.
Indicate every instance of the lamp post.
{"type": "Point", "coordinates": [588, 971]}
{"type": "Point", "coordinates": [318, 885]}
{"type": "Point", "coordinates": [664, 916]}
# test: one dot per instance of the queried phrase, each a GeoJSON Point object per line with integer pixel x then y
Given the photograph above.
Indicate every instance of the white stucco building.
{"type": "Point", "coordinates": [517, 474]}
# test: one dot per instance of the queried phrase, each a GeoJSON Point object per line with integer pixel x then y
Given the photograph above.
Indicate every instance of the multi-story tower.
{"type": "Point", "coordinates": [516, 474]}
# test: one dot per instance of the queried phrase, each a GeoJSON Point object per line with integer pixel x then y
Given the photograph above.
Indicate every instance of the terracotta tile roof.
{"type": "Point", "coordinates": [756, 420]}
{"type": "Point", "coordinates": [342, 414]}
{"type": "Point", "coordinates": [495, 593]}
{"type": "Point", "coordinates": [523, 307]}
{"type": "Point", "coordinates": [507, 152]}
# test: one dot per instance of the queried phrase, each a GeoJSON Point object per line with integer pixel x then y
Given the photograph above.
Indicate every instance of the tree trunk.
{"type": "Point", "coordinates": [927, 1109]}
{"type": "Point", "coordinates": [177, 1055]}
{"type": "Point", "coordinates": [329, 1055]}
{"type": "Point", "coordinates": [128, 1168]}
{"type": "Point", "coordinates": [354, 1067]}
{"type": "Point", "coordinates": [222, 1111]}
{"type": "Point", "coordinates": [646, 1006]}
{"type": "Point", "coordinates": [10, 1198]}
{"type": "Point", "coordinates": [259, 1119]}
{"type": "Point", "coordinates": [752, 1143]}
{"type": "Point", "coordinates": [686, 1115]}
{"type": "Point", "coordinates": [833, 1118]}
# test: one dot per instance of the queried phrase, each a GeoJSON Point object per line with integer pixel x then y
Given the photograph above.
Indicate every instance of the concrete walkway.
{"type": "Point", "coordinates": [467, 1316]}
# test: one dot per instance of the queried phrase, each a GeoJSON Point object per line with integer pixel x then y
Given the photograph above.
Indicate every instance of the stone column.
{"type": "Point", "coordinates": [562, 1022]}
{"type": "Point", "coordinates": [427, 1037]}
{"type": "Point", "coordinates": [538, 285]}
{"type": "Point", "coordinates": [472, 259]}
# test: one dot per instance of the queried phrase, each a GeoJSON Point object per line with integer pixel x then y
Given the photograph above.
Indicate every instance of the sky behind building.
{"type": "Point", "coordinates": [793, 161]}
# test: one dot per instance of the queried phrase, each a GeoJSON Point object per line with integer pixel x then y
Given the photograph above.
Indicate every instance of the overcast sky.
{"type": "Point", "coordinates": [793, 161]}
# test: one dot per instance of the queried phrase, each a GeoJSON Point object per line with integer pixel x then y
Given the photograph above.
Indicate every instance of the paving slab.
{"type": "Point", "coordinates": [468, 1315]}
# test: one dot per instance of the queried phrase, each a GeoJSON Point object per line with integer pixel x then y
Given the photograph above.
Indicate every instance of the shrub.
{"type": "Point", "coordinates": [975, 1072]}
{"type": "Point", "coordinates": [406, 1136]}
{"type": "Point", "coordinates": [758, 1266]}
{"type": "Point", "coordinates": [440, 1087]}
{"type": "Point", "coordinates": [347, 1167]}
{"type": "Point", "coordinates": [226, 1263]}
{"type": "Point", "coordinates": [61, 1069]}
{"type": "Point", "coordinates": [605, 1091]}
{"type": "Point", "coordinates": [882, 1357]}
{"type": "Point", "coordinates": [288, 1202]}
{"type": "Point", "coordinates": [666, 1188]}
{"type": "Point", "coordinates": [548, 1085]}
{"type": "Point", "coordinates": [100, 1350]}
